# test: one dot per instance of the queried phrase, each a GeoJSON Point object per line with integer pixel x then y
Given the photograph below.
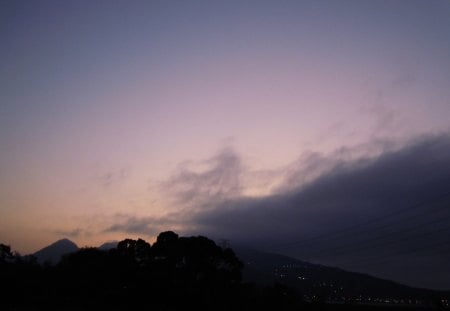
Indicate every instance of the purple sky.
{"type": "Point", "coordinates": [116, 117]}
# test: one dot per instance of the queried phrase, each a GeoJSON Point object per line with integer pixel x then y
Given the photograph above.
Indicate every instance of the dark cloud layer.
{"type": "Point", "coordinates": [388, 215]}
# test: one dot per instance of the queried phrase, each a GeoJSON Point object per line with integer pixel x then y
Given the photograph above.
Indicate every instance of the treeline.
{"type": "Point", "coordinates": [175, 273]}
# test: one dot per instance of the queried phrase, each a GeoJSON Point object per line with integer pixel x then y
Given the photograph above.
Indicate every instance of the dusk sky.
{"type": "Point", "coordinates": [262, 122]}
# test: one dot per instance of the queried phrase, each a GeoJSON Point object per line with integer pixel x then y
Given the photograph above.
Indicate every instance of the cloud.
{"type": "Point", "coordinates": [395, 204]}
{"type": "Point", "coordinates": [198, 184]}
{"type": "Point", "coordinates": [74, 233]}
{"type": "Point", "coordinates": [113, 178]}
{"type": "Point", "coordinates": [149, 226]}
{"type": "Point", "coordinates": [132, 224]}
{"type": "Point", "coordinates": [383, 104]}
{"type": "Point", "coordinates": [381, 208]}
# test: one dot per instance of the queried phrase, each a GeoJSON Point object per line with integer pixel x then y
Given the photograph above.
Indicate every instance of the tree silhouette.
{"type": "Point", "coordinates": [6, 253]}
{"type": "Point", "coordinates": [175, 273]}
{"type": "Point", "coordinates": [137, 250]}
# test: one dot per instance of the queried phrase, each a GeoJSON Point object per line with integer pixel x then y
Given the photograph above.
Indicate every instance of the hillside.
{"type": "Point", "coordinates": [53, 253]}
{"type": "Point", "coordinates": [314, 282]}
{"type": "Point", "coordinates": [318, 282]}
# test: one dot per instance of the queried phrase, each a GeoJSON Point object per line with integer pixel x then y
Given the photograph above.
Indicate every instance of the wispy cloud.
{"type": "Point", "coordinates": [149, 226]}
{"type": "Point", "coordinates": [113, 178]}
{"type": "Point", "coordinates": [196, 185]}
{"type": "Point", "coordinates": [74, 233]}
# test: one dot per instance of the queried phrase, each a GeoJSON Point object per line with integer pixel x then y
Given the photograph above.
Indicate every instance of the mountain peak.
{"type": "Point", "coordinates": [64, 241]}
{"type": "Point", "coordinates": [108, 245]}
{"type": "Point", "coordinates": [54, 252]}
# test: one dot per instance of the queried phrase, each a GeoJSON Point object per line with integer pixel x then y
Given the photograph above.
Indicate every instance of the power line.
{"type": "Point", "coordinates": [363, 247]}
{"type": "Point", "coordinates": [385, 257]}
{"type": "Point", "coordinates": [335, 234]}
{"type": "Point", "coordinates": [384, 239]}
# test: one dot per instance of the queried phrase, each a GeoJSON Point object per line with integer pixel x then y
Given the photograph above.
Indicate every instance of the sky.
{"type": "Point", "coordinates": [267, 123]}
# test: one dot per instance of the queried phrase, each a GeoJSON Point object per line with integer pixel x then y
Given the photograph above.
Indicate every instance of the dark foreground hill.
{"type": "Point", "coordinates": [323, 283]}
{"type": "Point", "coordinates": [178, 273]}
{"type": "Point", "coordinates": [313, 281]}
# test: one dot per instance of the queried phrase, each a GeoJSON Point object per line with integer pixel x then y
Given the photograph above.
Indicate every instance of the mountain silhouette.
{"type": "Point", "coordinates": [53, 253]}
{"type": "Point", "coordinates": [108, 245]}
{"type": "Point", "coordinates": [312, 280]}
{"type": "Point", "coordinates": [316, 280]}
